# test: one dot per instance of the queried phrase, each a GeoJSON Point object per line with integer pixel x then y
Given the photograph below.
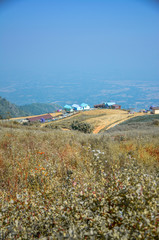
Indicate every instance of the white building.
{"type": "Point", "coordinates": [85, 106]}
{"type": "Point", "coordinates": [76, 107]}
{"type": "Point", "coordinates": [155, 110]}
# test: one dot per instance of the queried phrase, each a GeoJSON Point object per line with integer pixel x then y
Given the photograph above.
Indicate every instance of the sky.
{"type": "Point", "coordinates": [116, 40]}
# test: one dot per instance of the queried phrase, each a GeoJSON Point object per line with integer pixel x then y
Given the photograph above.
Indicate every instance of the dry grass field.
{"type": "Point", "coordinates": [99, 119]}
{"type": "Point", "coordinates": [103, 119]}
{"type": "Point", "coordinates": [59, 184]}
{"type": "Point", "coordinates": [109, 119]}
{"type": "Point", "coordinates": [69, 185]}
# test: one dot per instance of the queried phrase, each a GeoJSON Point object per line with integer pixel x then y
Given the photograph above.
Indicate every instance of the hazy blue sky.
{"type": "Point", "coordinates": [115, 39]}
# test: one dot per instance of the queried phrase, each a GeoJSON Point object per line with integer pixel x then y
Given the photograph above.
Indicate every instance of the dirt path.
{"type": "Point", "coordinates": [99, 128]}
{"type": "Point", "coordinates": [112, 123]}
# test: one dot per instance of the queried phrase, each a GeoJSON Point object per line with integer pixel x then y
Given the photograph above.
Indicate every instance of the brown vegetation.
{"type": "Point", "coordinates": [99, 119]}
{"type": "Point", "coordinates": [109, 119]}
{"type": "Point", "coordinates": [63, 184]}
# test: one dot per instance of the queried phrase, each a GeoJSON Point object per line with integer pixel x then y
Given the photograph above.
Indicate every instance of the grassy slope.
{"type": "Point", "coordinates": [76, 185]}
{"type": "Point", "coordinates": [99, 119]}
{"type": "Point", "coordinates": [8, 109]}
{"type": "Point", "coordinates": [139, 119]}
{"type": "Point", "coordinates": [39, 108]}
{"type": "Point", "coordinates": [81, 117]}
{"type": "Point", "coordinates": [142, 124]}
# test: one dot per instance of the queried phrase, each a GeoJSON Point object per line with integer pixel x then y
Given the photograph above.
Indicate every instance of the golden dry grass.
{"type": "Point", "coordinates": [52, 114]}
{"type": "Point", "coordinates": [100, 119]}
{"type": "Point", "coordinates": [62, 185]}
{"type": "Point", "coordinates": [109, 119]}
{"type": "Point", "coordinates": [97, 112]}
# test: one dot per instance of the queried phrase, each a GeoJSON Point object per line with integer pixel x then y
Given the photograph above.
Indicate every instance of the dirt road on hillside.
{"type": "Point", "coordinates": [114, 120]}
{"type": "Point", "coordinates": [100, 119]}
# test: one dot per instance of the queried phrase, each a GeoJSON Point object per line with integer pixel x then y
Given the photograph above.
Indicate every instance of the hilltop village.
{"type": "Point", "coordinates": [85, 106]}
{"type": "Point", "coordinates": [70, 110]}
{"type": "Point", "coordinates": [67, 111]}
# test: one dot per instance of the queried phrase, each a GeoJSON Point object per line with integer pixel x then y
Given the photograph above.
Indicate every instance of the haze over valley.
{"type": "Point", "coordinates": [128, 94]}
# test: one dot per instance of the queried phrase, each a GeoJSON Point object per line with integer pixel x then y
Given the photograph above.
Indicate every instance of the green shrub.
{"type": "Point", "coordinates": [81, 126]}
{"type": "Point", "coordinates": [156, 122]}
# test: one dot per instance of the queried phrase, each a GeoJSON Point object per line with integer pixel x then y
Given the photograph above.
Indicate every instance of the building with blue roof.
{"type": "Point", "coordinates": [76, 107]}
{"type": "Point", "coordinates": [85, 106]}
{"type": "Point", "coordinates": [68, 108]}
{"type": "Point", "coordinates": [109, 104]}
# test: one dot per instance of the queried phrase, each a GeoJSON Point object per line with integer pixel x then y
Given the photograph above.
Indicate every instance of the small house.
{"type": "Point", "coordinates": [116, 106]}
{"type": "Point", "coordinates": [155, 110]}
{"type": "Point", "coordinates": [76, 107]}
{"type": "Point", "coordinates": [85, 106]}
{"type": "Point", "coordinates": [40, 118]}
{"type": "Point", "coordinates": [109, 104]}
{"type": "Point", "coordinates": [68, 108]}
{"type": "Point", "coordinates": [102, 105]}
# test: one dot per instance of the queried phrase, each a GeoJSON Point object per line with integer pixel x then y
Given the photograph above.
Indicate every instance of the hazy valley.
{"type": "Point", "coordinates": [128, 94]}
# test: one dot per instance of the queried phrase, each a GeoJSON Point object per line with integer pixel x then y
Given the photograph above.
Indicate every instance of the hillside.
{"type": "Point", "coordinates": [98, 119]}
{"type": "Point", "coordinates": [144, 124]}
{"type": "Point", "coordinates": [8, 110]}
{"type": "Point", "coordinates": [39, 108]}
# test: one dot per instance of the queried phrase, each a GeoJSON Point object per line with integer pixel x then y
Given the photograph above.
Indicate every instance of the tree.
{"type": "Point", "coordinates": [82, 126]}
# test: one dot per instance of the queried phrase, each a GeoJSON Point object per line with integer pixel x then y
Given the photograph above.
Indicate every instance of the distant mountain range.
{"type": "Point", "coordinates": [9, 110]}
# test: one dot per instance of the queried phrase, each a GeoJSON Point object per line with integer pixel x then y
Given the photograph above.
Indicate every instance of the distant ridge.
{"type": "Point", "coordinates": [10, 110]}
{"type": "Point", "coordinates": [39, 108]}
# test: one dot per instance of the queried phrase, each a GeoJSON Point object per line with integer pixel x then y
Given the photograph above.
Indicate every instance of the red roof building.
{"type": "Point", "coordinates": [102, 105]}
{"type": "Point", "coordinates": [38, 118]}
{"type": "Point", "coordinates": [116, 106]}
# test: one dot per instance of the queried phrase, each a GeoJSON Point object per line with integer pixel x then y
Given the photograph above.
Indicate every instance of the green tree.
{"type": "Point", "coordinates": [82, 126]}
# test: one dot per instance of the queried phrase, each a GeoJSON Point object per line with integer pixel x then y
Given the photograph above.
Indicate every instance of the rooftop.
{"type": "Point", "coordinates": [33, 119]}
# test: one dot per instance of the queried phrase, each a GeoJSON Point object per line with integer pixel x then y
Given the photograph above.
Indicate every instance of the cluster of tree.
{"type": "Point", "coordinates": [82, 126]}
